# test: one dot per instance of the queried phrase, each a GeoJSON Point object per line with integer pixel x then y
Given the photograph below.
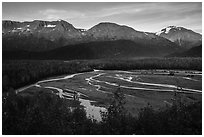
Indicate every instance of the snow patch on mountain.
{"type": "Point", "coordinates": [159, 32]}
{"type": "Point", "coordinates": [145, 33]}
{"type": "Point", "coordinates": [167, 30]}
{"type": "Point", "coordinates": [50, 26]}
{"type": "Point", "coordinates": [83, 30]}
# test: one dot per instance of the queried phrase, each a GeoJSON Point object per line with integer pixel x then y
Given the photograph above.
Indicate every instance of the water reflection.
{"type": "Point", "coordinates": [91, 110]}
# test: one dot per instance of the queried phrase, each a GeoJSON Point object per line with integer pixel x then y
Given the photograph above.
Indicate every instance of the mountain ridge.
{"type": "Point", "coordinates": [55, 31]}
{"type": "Point", "coordinates": [44, 36]}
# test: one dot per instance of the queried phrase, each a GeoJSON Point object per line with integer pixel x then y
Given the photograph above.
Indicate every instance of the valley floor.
{"type": "Point", "coordinates": [158, 88]}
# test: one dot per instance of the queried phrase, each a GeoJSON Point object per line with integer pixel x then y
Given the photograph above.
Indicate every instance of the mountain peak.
{"type": "Point", "coordinates": [168, 29]}
{"type": "Point", "coordinates": [107, 24]}
{"type": "Point", "coordinates": [176, 28]}
{"type": "Point", "coordinates": [180, 35]}
{"type": "Point", "coordinates": [172, 27]}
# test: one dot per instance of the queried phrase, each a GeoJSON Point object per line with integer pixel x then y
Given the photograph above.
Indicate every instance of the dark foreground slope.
{"type": "Point", "coordinates": [96, 50]}
{"type": "Point", "coordinates": [47, 114]}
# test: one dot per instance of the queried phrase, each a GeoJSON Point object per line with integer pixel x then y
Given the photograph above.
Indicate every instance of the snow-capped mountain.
{"type": "Point", "coordinates": [40, 35]}
{"type": "Point", "coordinates": [181, 36]}
{"type": "Point", "coordinates": [61, 40]}
{"type": "Point", "coordinates": [55, 29]}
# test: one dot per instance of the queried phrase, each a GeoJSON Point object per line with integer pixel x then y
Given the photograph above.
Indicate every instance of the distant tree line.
{"type": "Point", "coordinates": [18, 73]}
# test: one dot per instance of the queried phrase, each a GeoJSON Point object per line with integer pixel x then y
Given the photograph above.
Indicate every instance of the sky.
{"type": "Point", "coordinates": [148, 17]}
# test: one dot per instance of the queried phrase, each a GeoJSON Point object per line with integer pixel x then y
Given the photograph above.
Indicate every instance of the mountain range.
{"type": "Point", "coordinates": [61, 40]}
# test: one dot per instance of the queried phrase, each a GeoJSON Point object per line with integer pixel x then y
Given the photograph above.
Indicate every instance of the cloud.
{"type": "Point", "coordinates": [127, 9]}
{"type": "Point", "coordinates": [54, 14]}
